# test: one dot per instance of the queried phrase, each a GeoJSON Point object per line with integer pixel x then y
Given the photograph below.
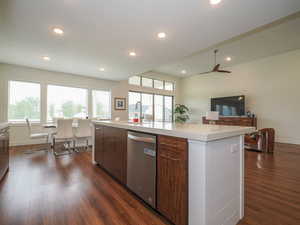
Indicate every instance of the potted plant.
{"type": "Point", "coordinates": [181, 113]}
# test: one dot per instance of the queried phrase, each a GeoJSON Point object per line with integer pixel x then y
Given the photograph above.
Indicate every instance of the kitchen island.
{"type": "Point", "coordinates": [200, 168]}
{"type": "Point", "coordinates": [4, 149]}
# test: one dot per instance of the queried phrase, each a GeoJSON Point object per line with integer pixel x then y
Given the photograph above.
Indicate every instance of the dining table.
{"type": "Point", "coordinates": [54, 125]}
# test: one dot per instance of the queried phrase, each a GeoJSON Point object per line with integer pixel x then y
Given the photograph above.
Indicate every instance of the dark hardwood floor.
{"type": "Point", "coordinates": [70, 190]}
{"type": "Point", "coordinates": [42, 190]}
{"type": "Point", "coordinates": [272, 187]}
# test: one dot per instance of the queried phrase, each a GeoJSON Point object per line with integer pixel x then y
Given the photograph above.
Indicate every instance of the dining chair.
{"type": "Point", "coordinates": [55, 119]}
{"type": "Point", "coordinates": [83, 132]}
{"type": "Point", "coordinates": [35, 136]}
{"type": "Point", "coordinates": [64, 135]}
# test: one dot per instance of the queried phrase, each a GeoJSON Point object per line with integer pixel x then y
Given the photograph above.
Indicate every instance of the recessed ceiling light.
{"type": "Point", "coordinates": [183, 71]}
{"type": "Point", "coordinates": [214, 2]}
{"type": "Point", "coordinates": [161, 35]}
{"type": "Point", "coordinates": [228, 58]}
{"type": "Point", "coordinates": [46, 58]}
{"type": "Point", "coordinates": [57, 30]}
{"type": "Point", "coordinates": [101, 69]}
{"type": "Point", "coordinates": [132, 53]}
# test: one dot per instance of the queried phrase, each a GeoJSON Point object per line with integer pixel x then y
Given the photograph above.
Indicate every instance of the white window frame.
{"type": "Point", "coordinates": [152, 81]}
{"type": "Point", "coordinates": [163, 84]}
{"type": "Point", "coordinates": [67, 86]}
{"type": "Point", "coordinates": [173, 85]}
{"type": "Point", "coordinates": [164, 81]}
{"type": "Point", "coordinates": [92, 103]}
{"type": "Point", "coordinates": [140, 83]}
{"type": "Point", "coordinates": [8, 102]}
{"type": "Point", "coordinates": [153, 107]}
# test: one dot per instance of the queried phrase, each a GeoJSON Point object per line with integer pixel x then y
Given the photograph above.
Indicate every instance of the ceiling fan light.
{"type": "Point", "coordinates": [215, 2]}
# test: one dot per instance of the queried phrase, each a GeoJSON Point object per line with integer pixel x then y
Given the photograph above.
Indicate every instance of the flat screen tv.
{"type": "Point", "coordinates": [229, 106]}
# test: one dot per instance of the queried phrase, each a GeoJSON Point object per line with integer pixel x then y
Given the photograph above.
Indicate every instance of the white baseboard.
{"type": "Point", "coordinates": [29, 142]}
{"type": "Point", "coordinates": [288, 140]}
{"type": "Point", "coordinates": [34, 142]}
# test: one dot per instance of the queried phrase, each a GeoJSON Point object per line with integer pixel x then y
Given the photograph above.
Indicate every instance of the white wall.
{"type": "Point", "coordinates": [271, 86]}
{"type": "Point", "coordinates": [19, 135]}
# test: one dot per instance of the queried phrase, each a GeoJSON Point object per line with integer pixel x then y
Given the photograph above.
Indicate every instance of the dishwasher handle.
{"type": "Point", "coordinates": [142, 139]}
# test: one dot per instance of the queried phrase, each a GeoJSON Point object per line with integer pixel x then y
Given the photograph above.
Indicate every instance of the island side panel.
{"type": "Point", "coordinates": [242, 176]}
{"type": "Point", "coordinates": [94, 143]}
{"type": "Point", "coordinates": [196, 182]}
{"type": "Point", "coordinates": [216, 182]}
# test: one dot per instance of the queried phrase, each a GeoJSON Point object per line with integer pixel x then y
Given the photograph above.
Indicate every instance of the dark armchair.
{"type": "Point", "coordinates": [261, 140]}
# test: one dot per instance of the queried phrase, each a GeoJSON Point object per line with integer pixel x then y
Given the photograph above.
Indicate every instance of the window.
{"type": "Point", "coordinates": [67, 102]}
{"type": "Point", "coordinates": [24, 101]}
{"type": "Point", "coordinates": [158, 84]}
{"type": "Point", "coordinates": [169, 86]}
{"type": "Point", "coordinates": [147, 106]}
{"type": "Point", "coordinates": [151, 83]}
{"type": "Point", "coordinates": [157, 107]}
{"type": "Point", "coordinates": [135, 80]}
{"type": "Point", "coordinates": [133, 106]}
{"type": "Point", "coordinates": [147, 82]}
{"type": "Point", "coordinates": [101, 104]}
{"type": "Point", "coordinates": [168, 106]}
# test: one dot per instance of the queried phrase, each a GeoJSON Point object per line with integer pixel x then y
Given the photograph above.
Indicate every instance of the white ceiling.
{"type": "Point", "coordinates": [276, 38]}
{"type": "Point", "coordinates": [101, 33]}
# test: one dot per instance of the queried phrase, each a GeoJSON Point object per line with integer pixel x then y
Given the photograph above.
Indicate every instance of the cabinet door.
{"type": "Point", "coordinates": [99, 156]}
{"type": "Point", "coordinates": [115, 152]}
{"type": "Point", "coordinates": [172, 179]}
{"type": "Point", "coordinates": [2, 149]}
{"type": "Point", "coordinates": [4, 152]}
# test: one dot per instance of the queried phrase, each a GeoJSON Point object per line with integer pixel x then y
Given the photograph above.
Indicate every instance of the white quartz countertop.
{"type": "Point", "coordinates": [3, 125]}
{"type": "Point", "coordinates": [192, 131]}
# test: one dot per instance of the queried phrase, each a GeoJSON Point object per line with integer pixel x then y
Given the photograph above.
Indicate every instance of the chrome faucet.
{"type": "Point", "coordinates": [136, 108]}
{"type": "Point", "coordinates": [136, 104]}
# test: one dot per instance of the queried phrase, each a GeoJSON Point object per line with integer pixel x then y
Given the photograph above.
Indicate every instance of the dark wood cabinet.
{"type": "Point", "coordinates": [172, 179]}
{"type": "Point", "coordinates": [4, 152]}
{"type": "Point", "coordinates": [99, 145]}
{"type": "Point", "coordinates": [111, 150]}
{"type": "Point", "coordinates": [234, 121]}
{"type": "Point", "coordinates": [172, 168]}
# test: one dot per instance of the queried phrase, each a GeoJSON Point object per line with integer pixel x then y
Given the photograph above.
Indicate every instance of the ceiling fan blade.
{"type": "Point", "coordinates": [204, 73]}
{"type": "Point", "coordinates": [216, 68]}
{"type": "Point", "coordinates": [193, 75]}
{"type": "Point", "coordinates": [224, 71]}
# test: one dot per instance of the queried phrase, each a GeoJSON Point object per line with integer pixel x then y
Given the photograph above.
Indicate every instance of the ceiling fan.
{"type": "Point", "coordinates": [216, 68]}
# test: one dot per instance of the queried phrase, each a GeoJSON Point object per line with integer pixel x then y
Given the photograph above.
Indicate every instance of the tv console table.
{"type": "Point", "coordinates": [234, 121]}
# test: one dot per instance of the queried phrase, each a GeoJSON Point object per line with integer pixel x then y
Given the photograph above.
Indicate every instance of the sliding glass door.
{"type": "Point", "coordinates": [147, 106]}
{"type": "Point", "coordinates": [151, 106]}
{"type": "Point", "coordinates": [159, 108]}
{"type": "Point", "coordinates": [168, 108]}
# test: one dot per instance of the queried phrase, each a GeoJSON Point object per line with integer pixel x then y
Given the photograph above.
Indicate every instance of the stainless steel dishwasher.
{"type": "Point", "coordinates": [141, 166]}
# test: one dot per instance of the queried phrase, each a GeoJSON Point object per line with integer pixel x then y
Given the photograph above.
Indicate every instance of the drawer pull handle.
{"type": "Point", "coordinates": [142, 139]}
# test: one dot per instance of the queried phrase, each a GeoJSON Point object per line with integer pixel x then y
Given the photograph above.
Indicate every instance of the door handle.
{"type": "Point", "coordinates": [142, 139]}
